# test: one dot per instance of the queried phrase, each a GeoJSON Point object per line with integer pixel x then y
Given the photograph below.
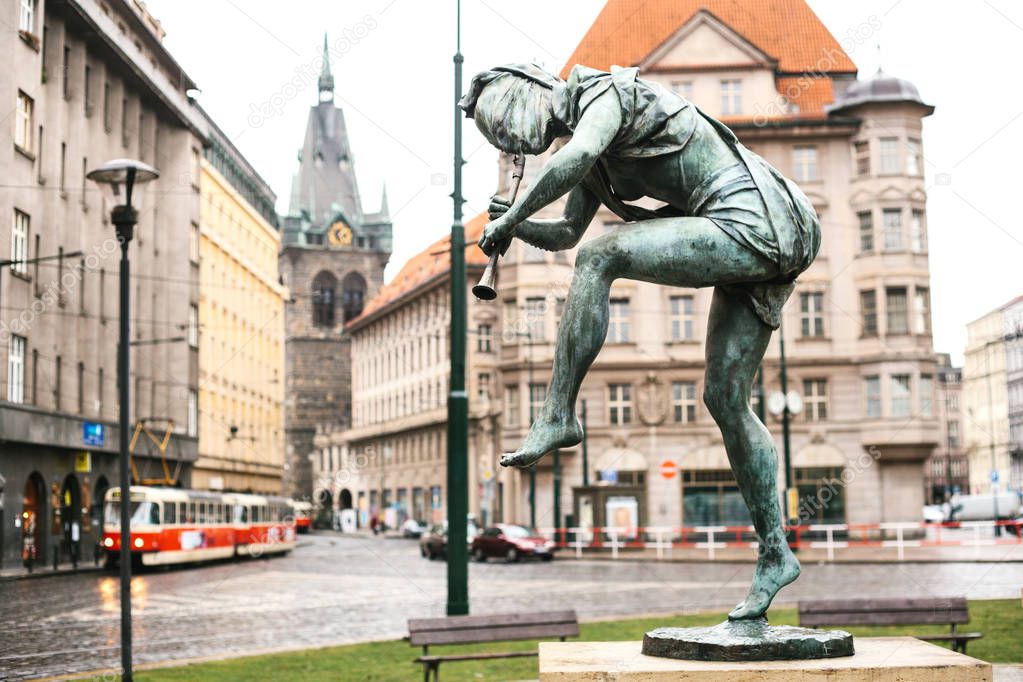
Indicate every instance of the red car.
{"type": "Point", "coordinates": [511, 543]}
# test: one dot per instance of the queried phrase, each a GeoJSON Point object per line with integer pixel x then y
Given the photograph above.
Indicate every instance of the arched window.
{"type": "Point", "coordinates": [353, 295]}
{"type": "Point", "coordinates": [324, 299]}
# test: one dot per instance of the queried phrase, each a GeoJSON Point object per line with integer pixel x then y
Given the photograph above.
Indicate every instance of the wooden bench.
{"type": "Point", "coordinates": [950, 611]}
{"type": "Point", "coordinates": [425, 632]}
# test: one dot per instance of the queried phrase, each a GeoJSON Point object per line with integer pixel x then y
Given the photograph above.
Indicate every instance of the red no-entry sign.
{"type": "Point", "coordinates": [669, 469]}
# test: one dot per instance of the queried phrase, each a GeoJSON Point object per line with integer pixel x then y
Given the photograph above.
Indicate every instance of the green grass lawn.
{"type": "Point", "coordinates": [1001, 621]}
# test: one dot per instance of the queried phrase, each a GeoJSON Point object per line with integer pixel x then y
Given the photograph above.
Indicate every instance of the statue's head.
{"type": "Point", "coordinates": [513, 106]}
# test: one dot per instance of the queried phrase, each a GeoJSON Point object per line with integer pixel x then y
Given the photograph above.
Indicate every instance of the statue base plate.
{"type": "Point", "coordinates": [747, 640]}
{"type": "Point", "coordinates": [877, 659]}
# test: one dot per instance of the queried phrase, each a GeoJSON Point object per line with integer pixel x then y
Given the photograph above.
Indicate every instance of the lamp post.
{"type": "Point", "coordinates": [118, 179]}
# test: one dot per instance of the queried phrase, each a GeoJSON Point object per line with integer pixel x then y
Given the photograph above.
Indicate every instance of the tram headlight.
{"type": "Point", "coordinates": [138, 543]}
{"type": "Point", "coordinates": [108, 542]}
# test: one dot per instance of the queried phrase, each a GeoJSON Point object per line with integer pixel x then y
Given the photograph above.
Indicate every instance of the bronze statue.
{"type": "Point", "coordinates": [729, 220]}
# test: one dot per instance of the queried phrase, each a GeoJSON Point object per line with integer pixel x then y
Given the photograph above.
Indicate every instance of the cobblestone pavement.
{"type": "Point", "coordinates": [333, 589]}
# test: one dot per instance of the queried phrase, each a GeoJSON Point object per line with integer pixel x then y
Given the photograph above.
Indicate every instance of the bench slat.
{"type": "Point", "coordinates": [475, 657]}
{"type": "Point", "coordinates": [885, 618]}
{"type": "Point", "coordinates": [846, 605]}
{"type": "Point", "coordinates": [963, 636]}
{"type": "Point", "coordinates": [490, 620]}
{"type": "Point", "coordinates": [497, 633]}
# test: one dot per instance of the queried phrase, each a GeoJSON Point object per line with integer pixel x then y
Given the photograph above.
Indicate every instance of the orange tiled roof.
{"type": "Point", "coordinates": [425, 265]}
{"type": "Point", "coordinates": [626, 31]}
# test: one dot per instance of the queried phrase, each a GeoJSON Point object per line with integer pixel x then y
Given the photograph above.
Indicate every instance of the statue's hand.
{"type": "Point", "coordinates": [498, 207]}
{"type": "Point", "coordinates": [497, 235]}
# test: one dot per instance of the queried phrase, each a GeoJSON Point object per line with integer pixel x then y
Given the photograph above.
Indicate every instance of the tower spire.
{"type": "Point", "coordinates": [326, 80]}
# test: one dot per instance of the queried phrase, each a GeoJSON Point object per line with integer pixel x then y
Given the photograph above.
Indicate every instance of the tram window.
{"type": "Point", "coordinates": [191, 512]}
{"type": "Point", "coordinates": [154, 513]}
{"type": "Point", "coordinates": [245, 514]}
{"type": "Point", "coordinates": [220, 513]}
{"type": "Point", "coordinates": [170, 512]}
{"type": "Point", "coordinates": [203, 514]}
{"type": "Point", "coordinates": [216, 513]}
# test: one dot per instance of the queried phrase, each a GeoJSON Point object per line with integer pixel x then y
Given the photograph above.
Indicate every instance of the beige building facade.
{"type": "Point", "coordinates": [240, 331]}
{"type": "Point", "coordinates": [857, 330]}
{"type": "Point", "coordinates": [993, 399]}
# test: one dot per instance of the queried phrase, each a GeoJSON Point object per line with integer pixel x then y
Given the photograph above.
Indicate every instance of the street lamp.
{"type": "Point", "coordinates": [117, 179]}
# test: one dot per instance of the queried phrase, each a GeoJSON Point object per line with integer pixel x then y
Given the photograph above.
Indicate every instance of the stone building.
{"type": "Point", "coordinates": [392, 457]}
{"type": "Point", "coordinates": [857, 329]}
{"type": "Point", "coordinates": [947, 471]}
{"type": "Point", "coordinates": [90, 81]}
{"type": "Point", "coordinates": [993, 399]}
{"type": "Point", "coordinates": [240, 326]}
{"type": "Point", "coordinates": [332, 260]}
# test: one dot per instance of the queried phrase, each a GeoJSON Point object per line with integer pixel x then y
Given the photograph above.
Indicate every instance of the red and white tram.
{"type": "Point", "coordinates": [171, 525]}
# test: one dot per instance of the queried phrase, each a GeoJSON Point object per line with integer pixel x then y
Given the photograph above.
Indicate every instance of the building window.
{"type": "Point", "coordinates": [917, 231]}
{"type": "Point", "coordinates": [889, 155]}
{"type": "Point", "coordinates": [619, 403]}
{"type": "Point", "coordinates": [193, 325]}
{"type": "Point", "coordinates": [953, 434]}
{"type": "Point", "coordinates": [804, 163]}
{"type": "Point", "coordinates": [892, 228]}
{"type": "Point", "coordinates": [731, 96]}
{"type": "Point", "coordinates": [324, 288]}
{"type": "Point", "coordinates": [87, 90]}
{"type": "Point", "coordinates": [108, 111]}
{"type": "Point", "coordinates": [901, 395]}
{"type": "Point", "coordinates": [27, 18]}
{"type": "Point", "coordinates": [618, 322]}
{"type": "Point", "coordinates": [193, 412]}
{"type": "Point", "coordinates": [914, 158]}
{"type": "Point", "coordinates": [872, 392]}
{"type": "Point", "coordinates": [681, 318]}
{"type": "Point", "coordinates": [353, 295]}
{"type": "Point", "coordinates": [815, 399]}
{"type": "Point", "coordinates": [866, 221]}
{"type": "Point", "coordinates": [81, 388]}
{"type": "Point", "coordinates": [896, 310]}
{"type": "Point", "coordinates": [683, 89]}
{"type": "Point", "coordinates": [67, 73]}
{"type": "Point", "coordinates": [511, 405]}
{"type": "Point", "coordinates": [19, 243]}
{"type": "Point", "coordinates": [23, 122]}
{"type": "Point", "coordinates": [483, 386]}
{"type": "Point", "coordinates": [861, 150]}
{"type": "Point", "coordinates": [193, 244]}
{"type": "Point", "coordinates": [57, 366]}
{"type": "Point", "coordinates": [811, 314]}
{"type": "Point", "coordinates": [683, 400]}
{"type": "Point", "coordinates": [16, 369]}
{"type": "Point", "coordinates": [868, 312]}
{"type": "Point", "coordinates": [537, 395]}
{"type": "Point", "coordinates": [926, 395]}
{"type": "Point", "coordinates": [536, 312]}
{"type": "Point", "coordinates": [922, 311]}
{"type": "Point", "coordinates": [484, 338]}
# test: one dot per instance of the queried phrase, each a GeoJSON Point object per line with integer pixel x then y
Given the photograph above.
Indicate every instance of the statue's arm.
{"type": "Point", "coordinates": [569, 165]}
{"type": "Point", "coordinates": [565, 232]}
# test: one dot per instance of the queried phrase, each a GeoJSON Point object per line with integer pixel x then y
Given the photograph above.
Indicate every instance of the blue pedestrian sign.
{"type": "Point", "coordinates": [93, 433]}
{"type": "Point", "coordinates": [994, 476]}
{"type": "Point", "coordinates": [609, 475]}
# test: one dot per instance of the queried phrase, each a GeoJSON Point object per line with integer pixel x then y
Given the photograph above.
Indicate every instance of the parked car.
{"type": "Point", "coordinates": [413, 529]}
{"type": "Point", "coordinates": [434, 544]}
{"type": "Point", "coordinates": [511, 543]}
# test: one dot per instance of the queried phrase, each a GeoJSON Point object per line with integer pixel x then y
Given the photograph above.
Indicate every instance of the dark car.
{"type": "Point", "coordinates": [511, 543]}
{"type": "Point", "coordinates": [434, 542]}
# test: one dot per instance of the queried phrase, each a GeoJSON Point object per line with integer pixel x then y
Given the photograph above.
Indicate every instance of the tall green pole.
{"type": "Point", "coordinates": [458, 401]}
{"type": "Point", "coordinates": [786, 416]}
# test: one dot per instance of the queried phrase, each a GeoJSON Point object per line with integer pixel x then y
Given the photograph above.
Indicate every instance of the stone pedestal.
{"type": "Point", "coordinates": [877, 659]}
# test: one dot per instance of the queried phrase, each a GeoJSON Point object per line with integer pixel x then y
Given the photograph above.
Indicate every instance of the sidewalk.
{"type": "Point", "coordinates": [19, 572]}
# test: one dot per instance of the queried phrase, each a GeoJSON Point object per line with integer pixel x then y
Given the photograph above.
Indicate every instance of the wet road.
{"type": "Point", "coordinates": [333, 590]}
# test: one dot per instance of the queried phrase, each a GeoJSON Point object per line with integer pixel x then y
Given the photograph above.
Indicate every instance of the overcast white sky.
{"type": "Point", "coordinates": [395, 83]}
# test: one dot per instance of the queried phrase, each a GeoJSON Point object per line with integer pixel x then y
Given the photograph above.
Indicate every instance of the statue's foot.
{"type": "Point", "coordinates": [775, 570]}
{"type": "Point", "coordinates": [545, 435]}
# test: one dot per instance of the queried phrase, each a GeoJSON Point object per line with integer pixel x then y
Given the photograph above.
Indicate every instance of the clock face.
{"type": "Point", "coordinates": [339, 234]}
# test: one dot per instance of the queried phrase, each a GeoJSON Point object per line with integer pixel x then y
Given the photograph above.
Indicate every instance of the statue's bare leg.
{"type": "Point", "coordinates": [736, 340]}
{"type": "Point", "coordinates": [687, 252]}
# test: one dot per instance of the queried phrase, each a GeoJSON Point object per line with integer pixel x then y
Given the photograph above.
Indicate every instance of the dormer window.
{"type": "Point", "coordinates": [731, 96]}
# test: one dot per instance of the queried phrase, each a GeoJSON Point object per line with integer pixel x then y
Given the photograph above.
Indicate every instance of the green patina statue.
{"type": "Point", "coordinates": [729, 220]}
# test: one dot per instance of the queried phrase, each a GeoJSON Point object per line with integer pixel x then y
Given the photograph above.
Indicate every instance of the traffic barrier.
{"type": "Point", "coordinates": [662, 540]}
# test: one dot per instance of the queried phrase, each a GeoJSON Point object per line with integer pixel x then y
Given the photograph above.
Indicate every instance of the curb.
{"type": "Point", "coordinates": [49, 573]}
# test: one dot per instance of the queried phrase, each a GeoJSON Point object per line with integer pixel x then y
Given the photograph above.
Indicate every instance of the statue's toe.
{"type": "Point", "coordinates": [511, 459]}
